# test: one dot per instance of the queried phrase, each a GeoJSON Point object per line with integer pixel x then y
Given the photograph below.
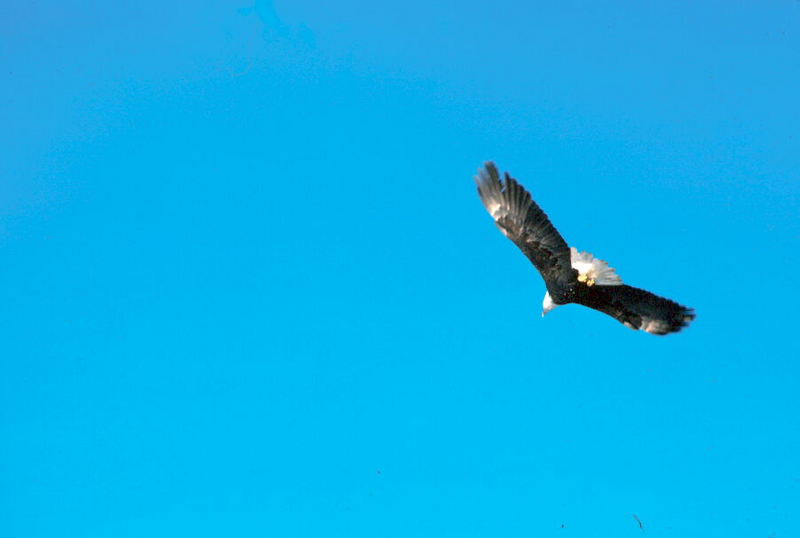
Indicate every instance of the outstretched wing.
{"type": "Point", "coordinates": [637, 309]}
{"type": "Point", "coordinates": [524, 222]}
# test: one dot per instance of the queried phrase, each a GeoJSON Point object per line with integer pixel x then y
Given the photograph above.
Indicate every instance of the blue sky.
{"type": "Point", "coordinates": [249, 289]}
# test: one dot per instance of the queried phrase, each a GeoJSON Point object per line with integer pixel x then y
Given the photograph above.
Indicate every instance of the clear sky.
{"type": "Point", "coordinates": [248, 288]}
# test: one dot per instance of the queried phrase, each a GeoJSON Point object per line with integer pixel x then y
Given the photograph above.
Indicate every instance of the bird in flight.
{"type": "Point", "coordinates": [572, 276]}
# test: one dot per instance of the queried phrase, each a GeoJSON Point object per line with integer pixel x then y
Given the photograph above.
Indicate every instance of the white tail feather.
{"type": "Point", "coordinates": [593, 270]}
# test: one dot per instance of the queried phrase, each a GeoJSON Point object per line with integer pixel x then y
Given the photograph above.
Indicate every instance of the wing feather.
{"type": "Point", "coordinates": [637, 308]}
{"type": "Point", "coordinates": [523, 221]}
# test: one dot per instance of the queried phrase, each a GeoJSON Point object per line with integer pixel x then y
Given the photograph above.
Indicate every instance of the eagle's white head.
{"type": "Point", "coordinates": [547, 304]}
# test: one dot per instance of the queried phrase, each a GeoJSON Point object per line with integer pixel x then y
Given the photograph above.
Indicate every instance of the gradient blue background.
{"type": "Point", "coordinates": [248, 288]}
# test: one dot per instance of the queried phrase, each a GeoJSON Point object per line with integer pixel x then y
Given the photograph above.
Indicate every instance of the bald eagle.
{"type": "Point", "coordinates": [572, 276]}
